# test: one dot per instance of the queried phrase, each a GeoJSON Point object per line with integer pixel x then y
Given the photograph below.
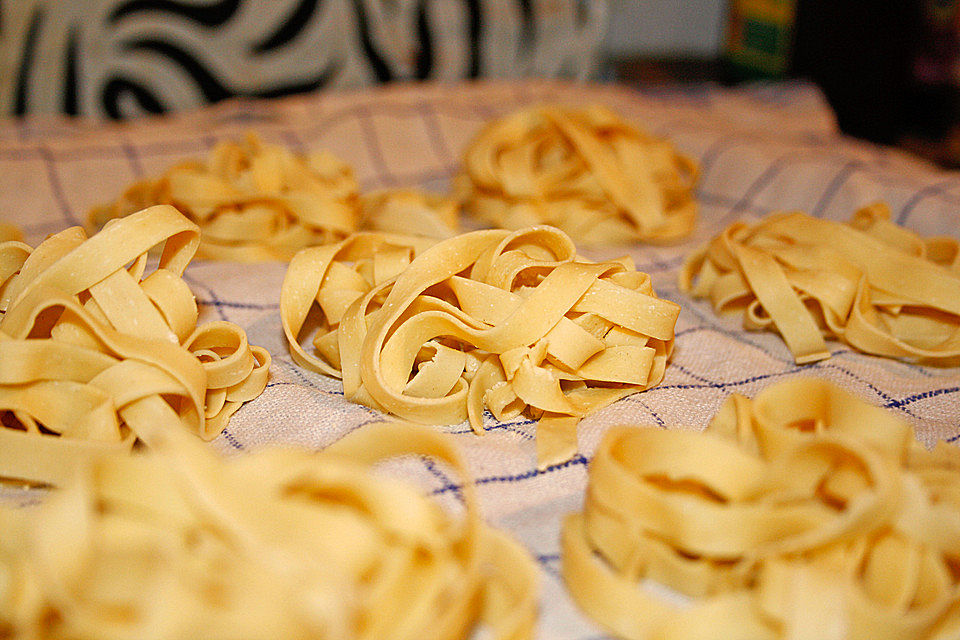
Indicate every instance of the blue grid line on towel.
{"type": "Point", "coordinates": [445, 481]}
{"type": "Point", "coordinates": [249, 306]}
{"type": "Point", "coordinates": [130, 153]}
{"type": "Point", "coordinates": [56, 186]}
{"type": "Point", "coordinates": [490, 424]}
{"type": "Point", "coordinates": [231, 440]}
{"type": "Point", "coordinates": [936, 189]}
{"type": "Point", "coordinates": [209, 292]}
{"type": "Point", "coordinates": [834, 187]}
{"type": "Point", "coordinates": [917, 397]}
{"type": "Point", "coordinates": [576, 461]}
{"type": "Point", "coordinates": [633, 399]}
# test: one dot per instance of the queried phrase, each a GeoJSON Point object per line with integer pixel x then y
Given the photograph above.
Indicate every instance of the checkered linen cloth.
{"type": "Point", "coordinates": [761, 149]}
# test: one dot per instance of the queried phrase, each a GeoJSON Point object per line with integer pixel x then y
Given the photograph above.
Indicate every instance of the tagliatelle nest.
{"type": "Point", "coordinates": [511, 321]}
{"type": "Point", "coordinates": [805, 513]}
{"type": "Point", "coordinates": [253, 201]}
{"type": "Point", "coordinates": [871, 283]}
{"type": "Point", "coordinates": [585, 171]}
{"type": "Point", "coordinates": [96, 351]}
{"type": "Point", "coordinates": [178, 543]}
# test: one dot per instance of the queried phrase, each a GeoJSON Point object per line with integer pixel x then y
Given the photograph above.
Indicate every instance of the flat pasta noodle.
{"type": "Point", "coordinates": [804, 514]}
{"type": "Point", "coordinates": [409, 211]}
{"type": "Point", "coordinates": [876, 286]}
{"type": "Point", "coordinates": [509, 321]}
{"type": "Point", "coordinates": [96, 350]}
{"type": "Point", "coordinates": [586, 171]}
{"type": "Point", "coordinates": [253, 201]}
{"type": "Point", "coordinates": [10, 233]}
{"type": "Point", "coordinates": [280, 543]}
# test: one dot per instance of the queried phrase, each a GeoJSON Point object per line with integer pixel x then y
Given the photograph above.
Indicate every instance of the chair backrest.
{"type": "Point", "coordinates": [122, 58]}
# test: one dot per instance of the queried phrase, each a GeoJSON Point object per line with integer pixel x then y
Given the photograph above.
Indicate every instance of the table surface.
{"type": "Point", "coordinates": [760, 149]}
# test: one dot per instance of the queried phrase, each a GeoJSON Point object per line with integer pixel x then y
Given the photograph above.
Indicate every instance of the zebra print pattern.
{"type": "Point", "coordinates": [122, 58]}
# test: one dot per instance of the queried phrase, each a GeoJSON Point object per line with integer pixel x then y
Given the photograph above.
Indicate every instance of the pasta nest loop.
{"type": "Point", "coordinates": [585, 171]}
{"type": "Point", "coordinates": [510, 321]}
{"type": "Point", "coordinates": [409, 211]}
{"type": "Point", "coordinates": [871, 283]}
{"type": "Point", "coordinates": [805, 513]}
{"type": "Point", "coordinates": [178, 543]}
{"type": "Point", "coordinates": [9, 232]}
{"type": "Point", "coordinates": [253, 201]}
{"type": "Point", "coordinates": [97, 352]}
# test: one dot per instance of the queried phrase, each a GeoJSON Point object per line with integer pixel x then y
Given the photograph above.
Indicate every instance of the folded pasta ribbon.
{"type": "Point", "coordinates": [9, 232]}
{"type": "Point", "coordinates": [870, 283]}
{"type": "Point", "coordinates": [804, 513]}
{"type": "Point", "coordinates": [282, 543]}
{"type": "Point", "coordinates": [585, 171]}
{"type": "Point", "coordinates": [511, 321]}
{"type": "Point", "coordinates": [409, 211]}
{"type": "Point", "coordinates": [253, 201]}
{"type": "Point", "coordinates": [96, 350]}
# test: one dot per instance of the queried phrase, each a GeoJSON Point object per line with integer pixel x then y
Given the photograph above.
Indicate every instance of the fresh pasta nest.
{"type": "Point", "coordinates": [96, 351]}
{"type": "Point", "coordinates": [804, 513]}
{"type": "Point", "coordinates": [511, 321]}
{"type": "Point", "coordinates": [870, 283]}
{"type": "Point", "coordinates": [178, 543]}
{"type": "Point", "coordinates": [253, 201]}
{"type": "Point", "coordinates": [585, 171]}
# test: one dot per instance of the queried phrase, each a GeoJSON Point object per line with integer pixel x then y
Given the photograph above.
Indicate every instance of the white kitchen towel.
{"type": "Point", "coordinates": [760, 149]}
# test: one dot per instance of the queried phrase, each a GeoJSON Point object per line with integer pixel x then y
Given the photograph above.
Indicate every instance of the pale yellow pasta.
{"type": "Point", "coordinates": [586, 171]}
{"type": "Point", "coordinates": [284, 543]}
{"type": "Point", "coordinates": [804, 514]}
{"type": "Point", "coordinates": [96, 347]}
{"type": "Point", "coordinates": [9, 232]}
{"type": "Point", "coordinates": [870, 283]}
{"type": "Point", "coordinates": [253, 201]}
{"type": "Point", "coordinates": [512, 321]}
{"type": "Point", "coordinates": [409, 211]}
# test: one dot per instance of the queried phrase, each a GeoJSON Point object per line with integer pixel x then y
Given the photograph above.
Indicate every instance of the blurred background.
{"type": "Point", "coordinates": [889, 68]}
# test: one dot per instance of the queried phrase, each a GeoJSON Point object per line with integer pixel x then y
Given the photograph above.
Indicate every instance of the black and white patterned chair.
{"type": "Point", "coordinates": [121, 58]}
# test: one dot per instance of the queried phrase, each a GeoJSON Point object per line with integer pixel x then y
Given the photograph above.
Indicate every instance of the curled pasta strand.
{"type": "Point", "coordinates": [283, 543]}
{"type": "Point", "coordinates": [10, 233]}
{"type": "Point", "coordinates": [409, 211]}
{"type": "Point", "coordinates": [97, 352]}
{"type": "Point", "coordinates": [253, 201]}
{"type": "Point", "coordinates": [508, 321]}
{"type": "Point", "coordinates": [803, 513]}
{"type": "Point", "coordinates": [870, 283]}
{"type": "Point", "coordinates": [585, 171]}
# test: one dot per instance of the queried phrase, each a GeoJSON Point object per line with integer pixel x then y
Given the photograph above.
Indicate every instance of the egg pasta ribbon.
{"type": "Point", "coordinates": [586, 171]}
{"type": "Point", "coordinates": [804, 513]}
{"type": "Point", "coordinates": [873, 284]}
{"type": "Point", "coordinates": [252, 200]}
{"type": "Point", "coordinates": [512, 322]}
{"type": "Point", "coordinates": [9, 232]}
{"type": "Point", "coordinates": [97, 347]}
{"type": "Point", "coordinates": [409, 211]}
{"type": "Point", "coordinates": [281, 543]}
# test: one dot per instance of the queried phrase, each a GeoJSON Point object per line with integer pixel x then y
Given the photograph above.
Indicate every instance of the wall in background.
{"type": "Point", "coordinates": [666, 28]}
